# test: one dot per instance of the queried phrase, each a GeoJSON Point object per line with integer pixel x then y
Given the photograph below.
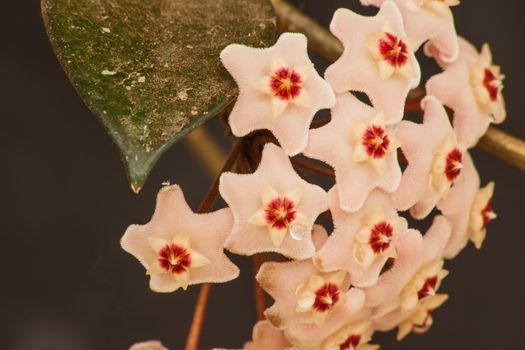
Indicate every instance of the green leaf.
{"type": "Point", "coordinates": [150, 69]}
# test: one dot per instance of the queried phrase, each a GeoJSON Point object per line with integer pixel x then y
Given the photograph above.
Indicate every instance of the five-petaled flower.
{"type": "Point", "coordinates": [428, 20]}
{"type": "Point", "coordinates": [353, 336]}
{"type": "Point", "coordinates": [472, 87]}
{"type": "Point", "coordinates": [361, 148]}
{"type": "Point", "coordinates": [362, 242]}
{"type": "Point", "coordinates": [434, 157]}
{"type": "Point", "coordinates": [377, 59]}
{"type": "Point", "coordinates": [273, 208]}
{"type": "Point", "coordinates": [178, 247]}
{"type": "Point", "coordinates": [279, 90]}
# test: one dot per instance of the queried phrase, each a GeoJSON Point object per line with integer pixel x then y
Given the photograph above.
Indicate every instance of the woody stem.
{"type": "Point", "coordinates": [192, 342]}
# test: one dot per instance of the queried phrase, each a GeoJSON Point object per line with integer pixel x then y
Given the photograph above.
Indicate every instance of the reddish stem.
{"type": "Point", "coordinates": [303, 163]}
{"type": "Point", "coordinates": [199, 313]}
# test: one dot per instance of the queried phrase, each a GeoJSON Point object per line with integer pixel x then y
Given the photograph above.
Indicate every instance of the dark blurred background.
{"type": "Point", "coordinates": [65, 202]}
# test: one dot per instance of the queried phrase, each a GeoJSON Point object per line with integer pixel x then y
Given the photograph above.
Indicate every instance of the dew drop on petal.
{"type": "Point", "coordinates": [298, 231]}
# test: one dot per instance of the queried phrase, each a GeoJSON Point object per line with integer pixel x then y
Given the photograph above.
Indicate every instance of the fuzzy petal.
{"type": "Point", "coordinates": [206, 232]}
{"type": "Point", "coordinates": [336, 144]}
{"type": "Point", "coordinates": [357, 69]}
{"type": "Point", "coordinates": [336, 254]}
{"type": "Point", "coordinates": [255, 110]}
{"type": "Point", "coordinates": [242, 192]}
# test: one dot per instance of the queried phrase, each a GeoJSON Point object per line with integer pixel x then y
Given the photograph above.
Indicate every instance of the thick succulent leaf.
{"type": "Point", "coordinates": [150, 69]}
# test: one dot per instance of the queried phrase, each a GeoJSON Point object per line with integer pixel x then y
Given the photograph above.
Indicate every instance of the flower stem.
{"type": "Point", "coordinates": [192, 342]}
{"type": "Point", "coordinates": [319, 169]}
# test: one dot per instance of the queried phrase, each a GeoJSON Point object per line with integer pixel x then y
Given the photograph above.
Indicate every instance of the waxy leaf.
{"type": "Point", "coordinates": [150, 69]}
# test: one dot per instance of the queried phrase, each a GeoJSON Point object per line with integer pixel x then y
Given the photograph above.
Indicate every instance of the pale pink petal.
{"type": "Point", "coordinates": [419, 143]}
{"type": "Point", "coordinates": [414, 252]}
{"type": "Point", "coordinates": [253, 109]}
{"type": "Point", "coordinates": [335, 144]}
{"type": "Point", "coordinates": [207, 233]}
{"type": "Point", "coordinates": [265, 337]}
{"type": "Point", "coordinates": [148, 345]}
{"type": "Point", "coordinates": [336, 254]}
{"type": "Point", "coordinates": [455, 88]}
{"type": "Point", "coordinates": [357, 70]}
{"type": "Point", "coordinates": [242, 192]}
{"type": "Point", "coordinates": [310, 335]}
{"type": "Point", "coordinates": [424, 24]}
{"type": "Point", "coordinates": [457, 206]}
{"type": "Point", "coordinates": [281, 281]}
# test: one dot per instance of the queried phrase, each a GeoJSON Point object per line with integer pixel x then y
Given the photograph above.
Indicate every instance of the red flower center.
{"type": "Point", "coordinates": [350, 343]}
{"type": "Point", "coordinates": [381, 237]}
{"type": "Point", "coordinates": [280, 213]}
{"type": "Point", "coordinates": [492, 84]}
{"type": "Point", "coordinates": [394, 50]}
{"type": "Point", "coordinates": [424, 326]}
{"type": "Point", "coordinates": [174, 258]}
{"type": "Point", "coordinates": [286, 83]}
{"type": "Point", "coordinates": [429, 287]}
{"type": "Point", "coordinates": [326, 297]}
{"type": "Point", "coordinates": [453, 165]}
{"type": "Point", "coordinates": [375, 141]}
{"type": "Point", "coordinates": [487, 213]}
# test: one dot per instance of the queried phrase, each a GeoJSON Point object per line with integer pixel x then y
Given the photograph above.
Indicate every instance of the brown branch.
{"type": "Point", "coordinates": [495, 141]}
{"type": "Point", "coordinates": [504, 146]}
{"type": "Point", "coordinates": [319, 169]}
{"type": "Point", "coordinates": [192, 342]}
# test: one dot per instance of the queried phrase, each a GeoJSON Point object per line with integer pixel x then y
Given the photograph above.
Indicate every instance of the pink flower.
{"type": "Point", "coordinates": [279, 90]}
{"type": "Point", "coordinates": [435, 160]}
{"type": "Point", "coordinates": [417, 271]}
{"type": "Point", "coordinates": [266, 337]}
{"type": "Point", "coordinates": [362, 149]}
{"type": "Point", "coordinates": [428, 20]}
{"type": "Point", "coordinates": [148, 345]}
{"type": "Point", "coordinates": [377, 59]}
{"type": "Point", "coordinates": [472, 87]}
{"type": "Point", "coordinates": [273, 208]}
{"type": "Point", "coordinates": [178, 247]}
{"type": "Point", "coordinates": [309, 305]}
{"type": "Point", "coordinates": [469, 210]}
{"type": "Point", "coordinates": [417, 320]}
{"type": "Point", "coordinates": [363, 241]}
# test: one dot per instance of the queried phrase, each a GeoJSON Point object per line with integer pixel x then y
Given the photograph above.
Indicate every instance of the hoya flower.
{"type": "Point", "coordinates": [416, 273]}
{"type": "Point", "coordinates": [266, 337]}
{"type": "Point", "coordinates": [148, 345]}
{"type": "Point", "coordinates": [378, 59]}
{"type": "Point", "coordinates": [362, 242]}
{"type": "Point", "coordinates": [353, 336]}
{"type": "Point", "coordinates": [178, 247]}
{"type": "Point", "coordinates": [469, 210]}
{"type": "Point", "coordinates": [472, 87]}
{"type": "Point", "coordinates": [435, 160]}
{"type": "Point", "coordinates": [303, 294]}
{"type": "Point", "coordinates": [428, 20]}
{"type": "Point", "coordinates": [417, 320]}
{"type": "Point", "coordinates": [279, 90]}
{"type": "Point", "coordinates": [273, 208]}
{"type": "Point", "coordinates": [361, 148]}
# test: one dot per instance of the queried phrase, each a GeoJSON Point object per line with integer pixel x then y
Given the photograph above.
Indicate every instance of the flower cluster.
{"type": "Point", "coordinates": [373, 272]}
